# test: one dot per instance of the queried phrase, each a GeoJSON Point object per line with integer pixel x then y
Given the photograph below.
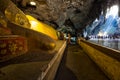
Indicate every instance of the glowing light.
{"type": "Point", "coordinates": [102, 33]}
{"type": "Point", "coordinates": [41, 27]}
{"type": "Point", "coordinates": [112, 11]}
{"type": "Point", "coordinates": [96, 20]}
{"type": "Point", "coordinates": [32, 3]}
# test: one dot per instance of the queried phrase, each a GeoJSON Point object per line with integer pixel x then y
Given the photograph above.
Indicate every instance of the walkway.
{"type": "Point", "coordinates": [76, 65]}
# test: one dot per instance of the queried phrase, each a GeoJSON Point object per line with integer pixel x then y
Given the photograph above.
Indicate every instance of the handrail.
{"type": "Point", "coordinates": [108, 51]}
{"type": "Point", "coordinates": [106, 58]}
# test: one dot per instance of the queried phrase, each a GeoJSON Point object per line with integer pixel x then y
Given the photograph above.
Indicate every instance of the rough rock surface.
{"type": "Point", "coordinates": [57, 12]}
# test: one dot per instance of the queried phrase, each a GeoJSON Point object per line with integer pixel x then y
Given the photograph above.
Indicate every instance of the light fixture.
{"type": "Point", "coordinates": [33, 3]}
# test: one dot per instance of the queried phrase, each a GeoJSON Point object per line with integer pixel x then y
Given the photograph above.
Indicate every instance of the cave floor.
{"type": "Point", "coordinates": [76, 65]}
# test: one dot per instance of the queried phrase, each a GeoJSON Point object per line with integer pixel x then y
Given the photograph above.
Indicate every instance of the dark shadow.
{"type": "Point", "coordinates": [32, 56]}
{"type": "Point", "coordinates": [63, 72]}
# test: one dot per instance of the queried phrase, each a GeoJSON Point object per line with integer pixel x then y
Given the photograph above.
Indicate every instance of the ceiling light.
{"type": "Point", "coordinates": [33, 3]}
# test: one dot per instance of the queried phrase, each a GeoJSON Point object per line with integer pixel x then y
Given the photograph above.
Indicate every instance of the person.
{"type": "Point", "coordinates": [61, 35]}
{"type": "Point", "coordinates": [69, 39]}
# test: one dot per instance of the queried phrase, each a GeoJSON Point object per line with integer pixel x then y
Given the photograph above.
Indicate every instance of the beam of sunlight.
{"type": "Point", "coordinates": [111, 21]}
{"type": "Point", "coordinates": [105, 25]}
{"type": "Point", "coordinates": [112, 11]}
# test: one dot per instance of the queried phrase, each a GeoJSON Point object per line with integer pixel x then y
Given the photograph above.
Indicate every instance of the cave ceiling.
{"type": "Point", "coordinates": [76, 14]}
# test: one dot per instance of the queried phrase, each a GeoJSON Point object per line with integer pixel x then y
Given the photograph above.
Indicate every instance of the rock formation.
{"type": "Point", "coordinates": [56, 12]}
